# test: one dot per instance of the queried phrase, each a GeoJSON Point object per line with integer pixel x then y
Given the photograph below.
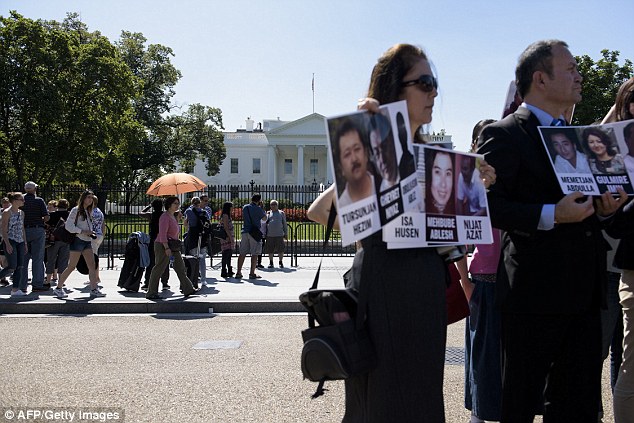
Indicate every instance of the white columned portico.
{"type": "Point", "coordinates": [272, 179]}
{"type": "Point", "coordinates": [300, 165]}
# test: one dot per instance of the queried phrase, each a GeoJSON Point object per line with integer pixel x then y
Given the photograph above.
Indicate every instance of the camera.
{"type": "Point", "coordinates": [93, 235]}
{"type": "Point", "coordinates": [452, 253]}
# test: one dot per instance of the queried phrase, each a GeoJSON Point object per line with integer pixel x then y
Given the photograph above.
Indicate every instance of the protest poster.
{"type": "Point", "coordinates": [592, 159]}
{"type": "Point", "coordinates": [374, 169]}
{"type": "Point", "coordinates": [455, 210]}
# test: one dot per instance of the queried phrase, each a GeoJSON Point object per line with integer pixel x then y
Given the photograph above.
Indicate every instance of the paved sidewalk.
{"type": "Point", "coordinates": [277, 291]}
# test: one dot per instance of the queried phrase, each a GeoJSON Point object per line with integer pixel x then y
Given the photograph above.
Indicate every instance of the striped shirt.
{"type": "Point", "coordinates": [34, 210]}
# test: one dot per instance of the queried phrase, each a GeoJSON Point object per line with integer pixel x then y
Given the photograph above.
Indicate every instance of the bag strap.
{"type": "Point", "coordinates": [331, 221]}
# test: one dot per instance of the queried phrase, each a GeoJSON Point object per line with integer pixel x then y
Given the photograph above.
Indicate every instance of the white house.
{"type": "Point", "coordinates": [278, 153]}
{"type": "Point", "coordinates": [274, 153]}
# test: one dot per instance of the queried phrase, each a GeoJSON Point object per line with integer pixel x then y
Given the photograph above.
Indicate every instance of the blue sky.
{"type": "Point", "coordinates": [257, 58]}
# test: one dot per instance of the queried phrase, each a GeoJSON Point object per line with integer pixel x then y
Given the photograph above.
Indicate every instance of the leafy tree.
{"type": "Point", "coordinates": [601, 81]}
{"type": "Point", "coordinates": [75, 107]}
{"type": "Point", "coordinates": [197, 135]}
{"type": "Point", "coordinates": [65, 98]}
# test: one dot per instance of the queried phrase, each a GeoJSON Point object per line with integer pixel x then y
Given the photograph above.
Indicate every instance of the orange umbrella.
{"type": "Point", "coordinates": [176, 183]}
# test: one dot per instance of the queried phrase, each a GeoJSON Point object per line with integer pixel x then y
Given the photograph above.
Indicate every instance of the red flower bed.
{"type": "Point", "coordinates": [292, 215]}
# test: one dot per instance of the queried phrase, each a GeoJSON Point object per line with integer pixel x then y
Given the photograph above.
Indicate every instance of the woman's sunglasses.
{"type": "Point", "coordinates": [427, 83]}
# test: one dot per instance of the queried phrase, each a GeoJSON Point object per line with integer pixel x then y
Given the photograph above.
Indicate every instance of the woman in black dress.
{"type": "Point", "coordinates": [406, 310]}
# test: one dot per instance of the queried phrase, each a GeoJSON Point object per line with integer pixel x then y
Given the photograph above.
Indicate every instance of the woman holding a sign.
{"type": "Point", "coordinates": [406, 310]}
{"type": "Point", "coordinates": [623, 227]}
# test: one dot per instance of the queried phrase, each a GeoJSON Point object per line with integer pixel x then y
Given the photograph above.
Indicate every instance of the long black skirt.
{"type": "Point", "coordinates": [407, 320]}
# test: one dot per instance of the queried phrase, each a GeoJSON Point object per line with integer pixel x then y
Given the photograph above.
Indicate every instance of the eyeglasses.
{"type": "Point", "coordinates": [427, 83]}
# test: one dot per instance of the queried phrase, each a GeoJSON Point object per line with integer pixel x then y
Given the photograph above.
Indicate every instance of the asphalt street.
{"type": "Point", "coordinates": [147, 368]}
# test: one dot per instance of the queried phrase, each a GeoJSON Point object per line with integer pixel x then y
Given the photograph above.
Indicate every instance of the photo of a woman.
{"type": "Point", "coordinates": [439, 167]}
{"type": "Point", "coordinates": [603, 154]}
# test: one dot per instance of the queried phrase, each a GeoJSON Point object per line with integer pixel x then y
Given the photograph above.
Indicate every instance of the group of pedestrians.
{"type": "Point", "coordinates": [165, 218]}
{"type": "Point", "coordinates": [26, 228]}
{"type": "Point", "coordinates": [534, 338]}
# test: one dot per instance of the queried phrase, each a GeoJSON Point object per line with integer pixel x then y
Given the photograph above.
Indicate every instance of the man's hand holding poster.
{"type": "Point", "coordinates": [374, 169]}
{"type": "Point", "coordinates": [592, 159]}
{"type": "Point", "coordinates": [455, 207]}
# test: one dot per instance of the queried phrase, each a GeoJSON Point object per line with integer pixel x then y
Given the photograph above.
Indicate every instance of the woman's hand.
{"type": "Point", "coordinates": [369, 104]}
{"type": "Point", "coordinates": [8, 248]}
{"type": "Point", "coordinates": [487, 174]}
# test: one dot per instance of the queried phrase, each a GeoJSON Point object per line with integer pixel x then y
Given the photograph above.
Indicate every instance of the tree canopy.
{"type": "Point", "coordinates": [601, 81]}
{"type": "Point", "coordinates": [76, 107]}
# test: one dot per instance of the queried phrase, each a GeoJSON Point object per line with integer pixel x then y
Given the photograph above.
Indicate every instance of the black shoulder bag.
{"type": "Point", "coordinates": [339, 347]}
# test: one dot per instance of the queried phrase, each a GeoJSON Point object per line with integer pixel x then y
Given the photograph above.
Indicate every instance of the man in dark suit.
{"type": "Point", "coordinates": [551, 278]}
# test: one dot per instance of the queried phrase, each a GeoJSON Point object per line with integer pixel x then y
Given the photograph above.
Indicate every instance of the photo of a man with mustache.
{"type": "Point", "coordinates": [350, 156]}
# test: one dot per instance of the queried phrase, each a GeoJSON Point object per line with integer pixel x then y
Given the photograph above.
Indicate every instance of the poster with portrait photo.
{"type": "Point", "coordinates": [455, 211]}
{"type": "Point", "coordinates": [366, 153]}
{"type": "Point", "coordinates": [589, 159]}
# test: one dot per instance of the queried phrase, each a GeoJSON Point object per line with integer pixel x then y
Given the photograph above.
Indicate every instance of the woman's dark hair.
{"type": "Point", "coordinates": [62, 203]}
{"type": "Point", "coordinates": [624, 98]}
{"type": "Point", "coordinates": [386, 82]}
{"type": "Point", "coordinates": [169, 201]}
{"type": "Point", "coordinates": [157, 205]}
{"type": "Point", "coordinates": [81, 210]}
{"type": "Point", "coordinates": [13, 196]}
{"type": "Point", "coordinates": [226, 208]}
{"type": "Point", "coordinates": [477, 129]}
{"type": "Point", "coordinates": [537, 57]}
{"type": "Point", "coordinates": [605, 140]}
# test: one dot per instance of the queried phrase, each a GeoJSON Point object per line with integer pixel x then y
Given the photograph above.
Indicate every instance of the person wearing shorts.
{"type": "Point", "coordinates": [252, 214]}
{"type": "Point", "coordinates": [275, 233]}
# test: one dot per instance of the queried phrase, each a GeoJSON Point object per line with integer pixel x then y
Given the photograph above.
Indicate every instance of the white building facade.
{"type": "Point", "coordinates": [279, 153]}
{"type": "Point", "coordinates": [275, 153]}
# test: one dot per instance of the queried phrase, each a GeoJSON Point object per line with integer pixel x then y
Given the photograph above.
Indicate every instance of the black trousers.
{"type": "Point", "coordinates": [551, 366]}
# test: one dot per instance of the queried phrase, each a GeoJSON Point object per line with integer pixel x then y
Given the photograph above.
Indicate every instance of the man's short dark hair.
{"type": "Point", "coordinates": [537, 57]}
{"type": "Point", "coordinates": [255, 198]}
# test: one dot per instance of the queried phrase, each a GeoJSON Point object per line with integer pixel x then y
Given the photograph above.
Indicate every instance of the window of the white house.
{"type": "Point", "coordinates": [288, 166]}
{"type": "Point", "coordinates": [313, 167]}
{"type": "Point", "coordinates": [256, 165]}
{"type": "Point", "coordinates": [234, 165]}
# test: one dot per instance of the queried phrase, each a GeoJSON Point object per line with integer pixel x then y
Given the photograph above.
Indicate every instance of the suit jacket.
{"type": "Point", "coordinates": [562, 270]}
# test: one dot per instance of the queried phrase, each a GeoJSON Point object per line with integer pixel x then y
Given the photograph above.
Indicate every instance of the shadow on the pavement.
{"type": "Point", "coordinates": [262, 282]}
{"type": "Point", "coordinates": [131, 294]}
{"type": "Point", "coordinates": [168, 316]}
{"type": "Point", "coordinates": [231, 280]}
{"type": "Point", "coordinates": [24, 299]}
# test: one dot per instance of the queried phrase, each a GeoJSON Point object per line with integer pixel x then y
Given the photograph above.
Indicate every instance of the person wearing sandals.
{"type": "Point", "coordinates": [168, 229]}
{"type": "Point", "coordinates": [80, 222]}
{"type": "Point", "coordinates": [14, 237]}
{"type": "Point", "coordinates": [252, 215]}
{"type": "Point", "coordinates": [226, 245]}
{"type": "Point", "coordinates": [98, 225]}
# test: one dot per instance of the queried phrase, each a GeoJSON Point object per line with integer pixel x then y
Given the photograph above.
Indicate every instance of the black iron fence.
{"type": "Point", "coordinates": [121, 207]}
